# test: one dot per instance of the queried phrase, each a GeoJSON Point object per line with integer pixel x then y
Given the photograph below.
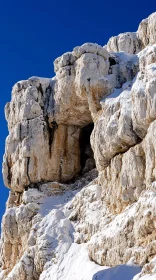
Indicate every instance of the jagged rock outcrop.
{"type": "Point", "coordinates": [99, 109]}
{"type": "Point", "coordinates": [45, 116]}
{"type": "Point", "coordinates": [124, 42]}
{"type": "Point", "coordinates": [134, 42]}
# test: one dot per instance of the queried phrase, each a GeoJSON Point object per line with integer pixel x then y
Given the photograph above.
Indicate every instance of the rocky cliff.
{"type": "Point", "coordinates": [80, 162]}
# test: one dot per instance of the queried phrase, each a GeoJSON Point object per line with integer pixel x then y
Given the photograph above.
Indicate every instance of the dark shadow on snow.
{"type": "Point", "coordinates": [120, 272]}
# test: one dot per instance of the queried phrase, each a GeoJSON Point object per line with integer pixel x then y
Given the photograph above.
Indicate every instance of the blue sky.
{"type": "Point", "coordinates": [33, 33]}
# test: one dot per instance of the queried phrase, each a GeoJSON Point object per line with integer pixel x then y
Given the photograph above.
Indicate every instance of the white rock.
{"type": "Point", "coordinates": [124, 42]}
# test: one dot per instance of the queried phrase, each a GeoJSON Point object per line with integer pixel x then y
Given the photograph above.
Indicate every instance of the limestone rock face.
{"type": "Point", "coordinates": [45, 116]}
{"type": "Point", "coordinates": [136, 225]}
{"type": "Point", "coordinates": [124, 42]}
{"type": "Point", "coordinates": [143, 92]}
{"type": "Point", "coordinates": [113, 132]}
{"type": "Point", "coordinates": [80, 83]}
{"type": "Point", "coordinates": [134, 42]}
{"type": "Point", "coordinates": [37, 149]}
{"type": "Point", "coordinates": [66, 219]}
{"type": "Point", "coordinates": [120, 189]}
{"type": "Point", "coordinates": [146, 30]}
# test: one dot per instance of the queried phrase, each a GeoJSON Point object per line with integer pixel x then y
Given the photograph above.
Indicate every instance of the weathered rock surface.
{"type": "Point", "coordinates": [65, 220]}
{"type": "Point", "coordinates": [45, 116]}
{"type": "Point", "coordinates": [113, 132]}
{"type": "Point", "coordinates": [143, 92]}
{"type": "Point", "coordinates": [134, 42]}
{"type": "Point", "coordinates": [124, 42]}
{"type": "Point", "coordinates": [146, 30]}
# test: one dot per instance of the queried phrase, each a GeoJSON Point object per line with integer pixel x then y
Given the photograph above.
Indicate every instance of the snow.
{"type": "Point", "coordinates": [125, 57]}
{"type": "Point", "coordinates": [77, 266]}
{"type": "Point", "coordinates": [47, 203]}
{"type": "Point", "coordinates": [115, 93]}
{"type": "Point", "coordinates": [71, 262]}
{"type": "Point", "coordinates": [65, 259]}
{"type": "Point", "coordinates": [118, 95]}
{"type": "Point", "coordinates": [147, 51]}
{"type": "Point", "coordinates": [55, 202]}
{"type": "Point", "coordinates": [120, 98]}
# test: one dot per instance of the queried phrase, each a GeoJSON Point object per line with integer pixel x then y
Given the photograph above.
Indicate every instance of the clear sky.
{"type": "Point", "coordinates": [33, 33]}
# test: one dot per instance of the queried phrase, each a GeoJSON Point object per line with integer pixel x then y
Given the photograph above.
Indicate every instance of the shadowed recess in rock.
{"type": "Point", "coordinates": [86, 153]}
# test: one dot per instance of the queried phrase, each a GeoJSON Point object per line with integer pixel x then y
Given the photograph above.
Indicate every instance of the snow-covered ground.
{"type": "Point", "coordinates": [71, 261]}
{"type": "Point", "coordinates": [76, 265]}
